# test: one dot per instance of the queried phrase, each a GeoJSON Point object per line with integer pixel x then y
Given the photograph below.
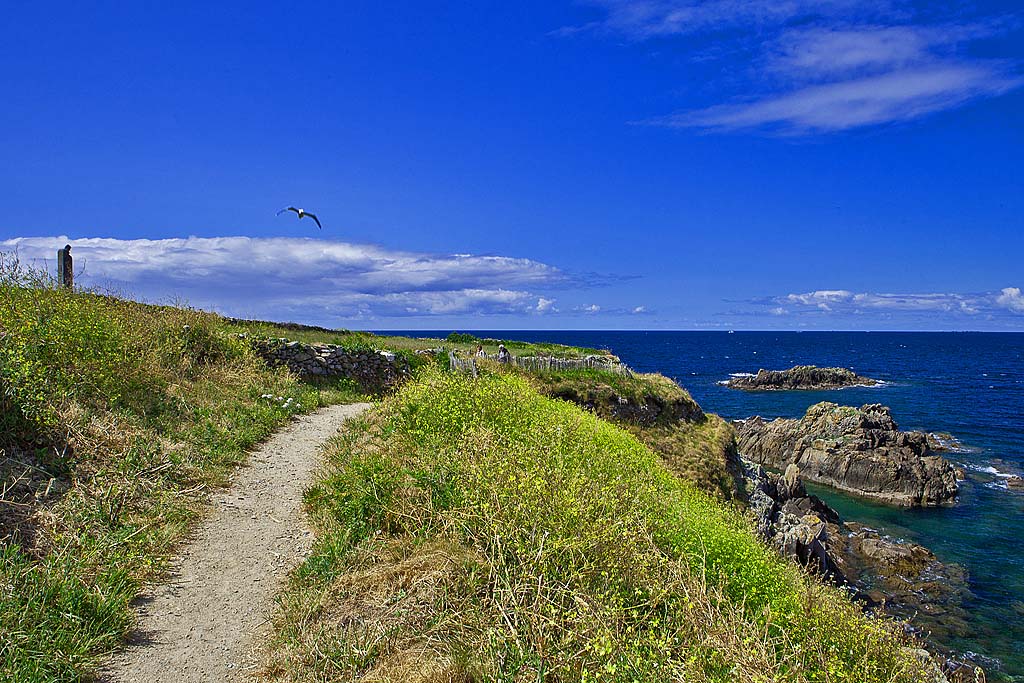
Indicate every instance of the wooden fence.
{"type": "Point", "coordinates": [459, 364]}
{"type": "Point", "coordinates": [538, 363]}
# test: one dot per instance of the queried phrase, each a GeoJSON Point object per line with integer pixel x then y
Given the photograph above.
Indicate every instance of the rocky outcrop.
{"type": "Point", "coordinates": [792, 521]}
{"type": "Point", "coordinates": [859, 450]}
{"type": "Point", "coordinates": [374, 371]}
{"type": "Point", "coordinates": [900, 578]}
{"type": "Point", "coordinates": [800, 377]}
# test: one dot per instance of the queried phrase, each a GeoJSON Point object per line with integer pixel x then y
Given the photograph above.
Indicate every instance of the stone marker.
{"type": "Point", "coordinates": [65, 267]}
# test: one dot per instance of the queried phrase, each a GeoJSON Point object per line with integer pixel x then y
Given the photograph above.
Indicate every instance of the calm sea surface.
{"type": "Point", "coordinates": [968, 384]}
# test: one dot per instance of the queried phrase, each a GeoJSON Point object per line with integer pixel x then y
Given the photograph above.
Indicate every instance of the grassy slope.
{"type": "Point", "coordinates": [458, 341]}
{"type": "Point", "coordinates": [699, 447]}
{"type": "Point", "coordinates": [516, 537]}
{"type": "Point", "coordinates": [115, 418]}
{"type": "Point", "coordinates": [476, 530]}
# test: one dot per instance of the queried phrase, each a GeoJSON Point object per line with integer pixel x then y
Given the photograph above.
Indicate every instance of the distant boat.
{"type": "Point", "coordinates": [732, 331]}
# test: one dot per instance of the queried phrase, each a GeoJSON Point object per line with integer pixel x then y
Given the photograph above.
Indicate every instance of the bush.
{"type": "Point", "coordinates": [462, 338]}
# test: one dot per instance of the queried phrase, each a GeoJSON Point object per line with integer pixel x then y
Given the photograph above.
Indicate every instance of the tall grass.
{"type": "Point", "coordinates": [115, 418]}
{"type": "Point", "coordinates": [474, 530]}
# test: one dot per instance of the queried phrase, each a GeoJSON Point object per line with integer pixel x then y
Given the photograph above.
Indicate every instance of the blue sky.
{"type": "Point", "coordinates": [658, 164]}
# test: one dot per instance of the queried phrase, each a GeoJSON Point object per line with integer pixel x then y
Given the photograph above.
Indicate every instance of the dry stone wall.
{"type": "Point", "coordinates": [374, 371]}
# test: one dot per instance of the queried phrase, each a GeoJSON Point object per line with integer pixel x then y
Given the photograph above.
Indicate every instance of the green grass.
{"type": "Point", "coordinates": [699, 447]}
{"type": "Point", "coordinates": [474, 530]}
{"type": "Point", "coordinates": [116, 418]}
{"type": "Point", "coordinates": [612, 385]}
{"type": "Point", "coordinates": [357, 339]}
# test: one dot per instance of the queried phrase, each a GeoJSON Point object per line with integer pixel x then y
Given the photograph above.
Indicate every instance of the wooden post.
{"type": "Point", "coordinates": [65, 267]}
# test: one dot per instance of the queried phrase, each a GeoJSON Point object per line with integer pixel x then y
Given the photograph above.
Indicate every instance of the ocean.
{"type": "Point", "coordinates": [968, 384]}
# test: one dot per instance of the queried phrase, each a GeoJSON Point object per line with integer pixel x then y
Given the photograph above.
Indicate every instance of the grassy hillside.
{"type": "Point", "coordinates": [465, 343]}
{"type": "Point", "coordinates": [475, 530]}
{"type": "Point", "coordinates": [699, 447]}
{"type": "Point", "coordinates": [115, 419]}
{"type": "Point", "coordinates": [469, 530]}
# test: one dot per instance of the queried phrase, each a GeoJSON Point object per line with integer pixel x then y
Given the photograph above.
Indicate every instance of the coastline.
{"type": "Point", "coordinates": [932, 385]}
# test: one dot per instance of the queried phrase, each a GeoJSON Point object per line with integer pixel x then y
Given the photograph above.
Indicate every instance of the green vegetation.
{"type": "Point", "coordinates": [462, 338]}
{"type": "Point", "coordinates": [465, 343]}
{"type": "Point", "coordinates": [469, 529]}
{"type": "Point", "coordinates": [475, 530]}
{"type": "Point", "coordinates": [115, 419]}
{"type": "Point", "coordinates": [698, 447]}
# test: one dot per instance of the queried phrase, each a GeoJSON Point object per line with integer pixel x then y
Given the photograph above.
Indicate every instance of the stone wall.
{"type": "Point", "coordinates": [374, 371]}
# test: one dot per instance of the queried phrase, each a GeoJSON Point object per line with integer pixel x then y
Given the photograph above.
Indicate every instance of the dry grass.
{"type": "Point", "coordinates": [702, 453]}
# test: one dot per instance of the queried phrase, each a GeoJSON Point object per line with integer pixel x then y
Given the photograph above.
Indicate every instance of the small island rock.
{"type": "Point", "coordinates": [805, 377]}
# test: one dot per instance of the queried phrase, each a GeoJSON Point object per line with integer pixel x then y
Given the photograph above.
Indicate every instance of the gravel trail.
{"type": "Point", "coordinates": [203, 624]}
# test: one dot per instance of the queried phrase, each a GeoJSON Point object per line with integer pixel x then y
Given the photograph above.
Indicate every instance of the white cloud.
{"type": "Point", "coordinates": [642, 19]}
{"type": "Point", "coordinates": [891, 97]}
{"type": "Point", "coordinates": [305, 279]}
{"type": "Point", "coordinates": [841, 68]}
{"type": "Point", "coordinates": [592, 308]}
{"type": "Point", "coordinates": [1012, 299]}
{"type": "Point", "coordinates": [639, 309]}
{"type": "Point", "coordinates": [842, 302]}
{"type": "Point", "coordinates": [822, 51]}
{"type": "Point", "coordinates": [545, 305]}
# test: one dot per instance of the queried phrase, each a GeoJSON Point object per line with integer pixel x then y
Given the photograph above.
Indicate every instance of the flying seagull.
{"type": "Point", "coordinates": [301, 213]}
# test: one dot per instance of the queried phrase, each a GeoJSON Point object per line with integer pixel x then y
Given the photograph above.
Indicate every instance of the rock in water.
{"type": "Point", "coordinates": [800, 377]}
{"type": "Point", "coordinates": [898, 577]}
{"type": "Point", "coordinates": [859, 450]}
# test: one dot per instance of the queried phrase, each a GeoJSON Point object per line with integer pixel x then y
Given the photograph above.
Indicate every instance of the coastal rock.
{"type": "Point", "coordinates": [899, 577]}
{"type": "Point", "coordinates": [859, 450]}
{"type": "Point", "coordinates": [942, 442]}
{"type": "Point", "coordinates": [806, 377]}
{"type": "Point", "coordinates": [1015, 482]}
{"type": "Point", "coordinates": [792, 521]}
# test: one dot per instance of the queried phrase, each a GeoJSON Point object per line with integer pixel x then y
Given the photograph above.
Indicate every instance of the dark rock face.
{"type": "Point", "coordinates": [859, 450]}
{"type": "Point", "coordinates": [792, 521]}
{"type": "Point", "coordinates": [900, 578]}
{"type": "Point", "coordinates": [800, 377]}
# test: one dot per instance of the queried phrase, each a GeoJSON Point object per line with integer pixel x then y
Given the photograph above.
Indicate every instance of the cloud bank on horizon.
{"type": "Point", "coordinates": [338, 283]}
{"type": "Point", "coordinates": [1008, 303]}
{"type": "Point", "coordinates": [286, 278]}
{"type": "Point", "coordinates": [822, 67]}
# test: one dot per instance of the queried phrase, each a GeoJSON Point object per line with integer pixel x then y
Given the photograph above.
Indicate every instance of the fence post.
{"type": "Point", "coordinates": [65, 267]}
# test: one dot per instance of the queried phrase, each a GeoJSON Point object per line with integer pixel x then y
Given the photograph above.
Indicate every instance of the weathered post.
{"type": "Point", "coordinates": [65, 267]}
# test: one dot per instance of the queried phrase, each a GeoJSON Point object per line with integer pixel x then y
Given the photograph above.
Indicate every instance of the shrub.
{"type": "Point", "coordinates": [462, 338]}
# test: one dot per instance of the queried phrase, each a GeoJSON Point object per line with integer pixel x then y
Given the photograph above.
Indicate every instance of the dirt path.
{"type": "Point", "coordinates": [201, 625]}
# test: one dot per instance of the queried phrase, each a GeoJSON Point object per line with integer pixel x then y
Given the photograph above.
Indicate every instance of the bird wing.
{"type": "Point", "coordinates": [313, 216]}
{"type": "Point", "coordinates": [290, 208]}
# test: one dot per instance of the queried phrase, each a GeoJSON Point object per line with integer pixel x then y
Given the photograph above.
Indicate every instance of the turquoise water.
{"type": "Point", "coordinates": [968, 384]}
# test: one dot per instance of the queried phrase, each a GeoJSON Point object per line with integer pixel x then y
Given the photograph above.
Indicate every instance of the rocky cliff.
{"type": "Point", "coordinates": [897, 577]}
{"type": "Point", "coordinates": [800, 377]}
{"type": "Point", "coordinates": [859, 450]}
